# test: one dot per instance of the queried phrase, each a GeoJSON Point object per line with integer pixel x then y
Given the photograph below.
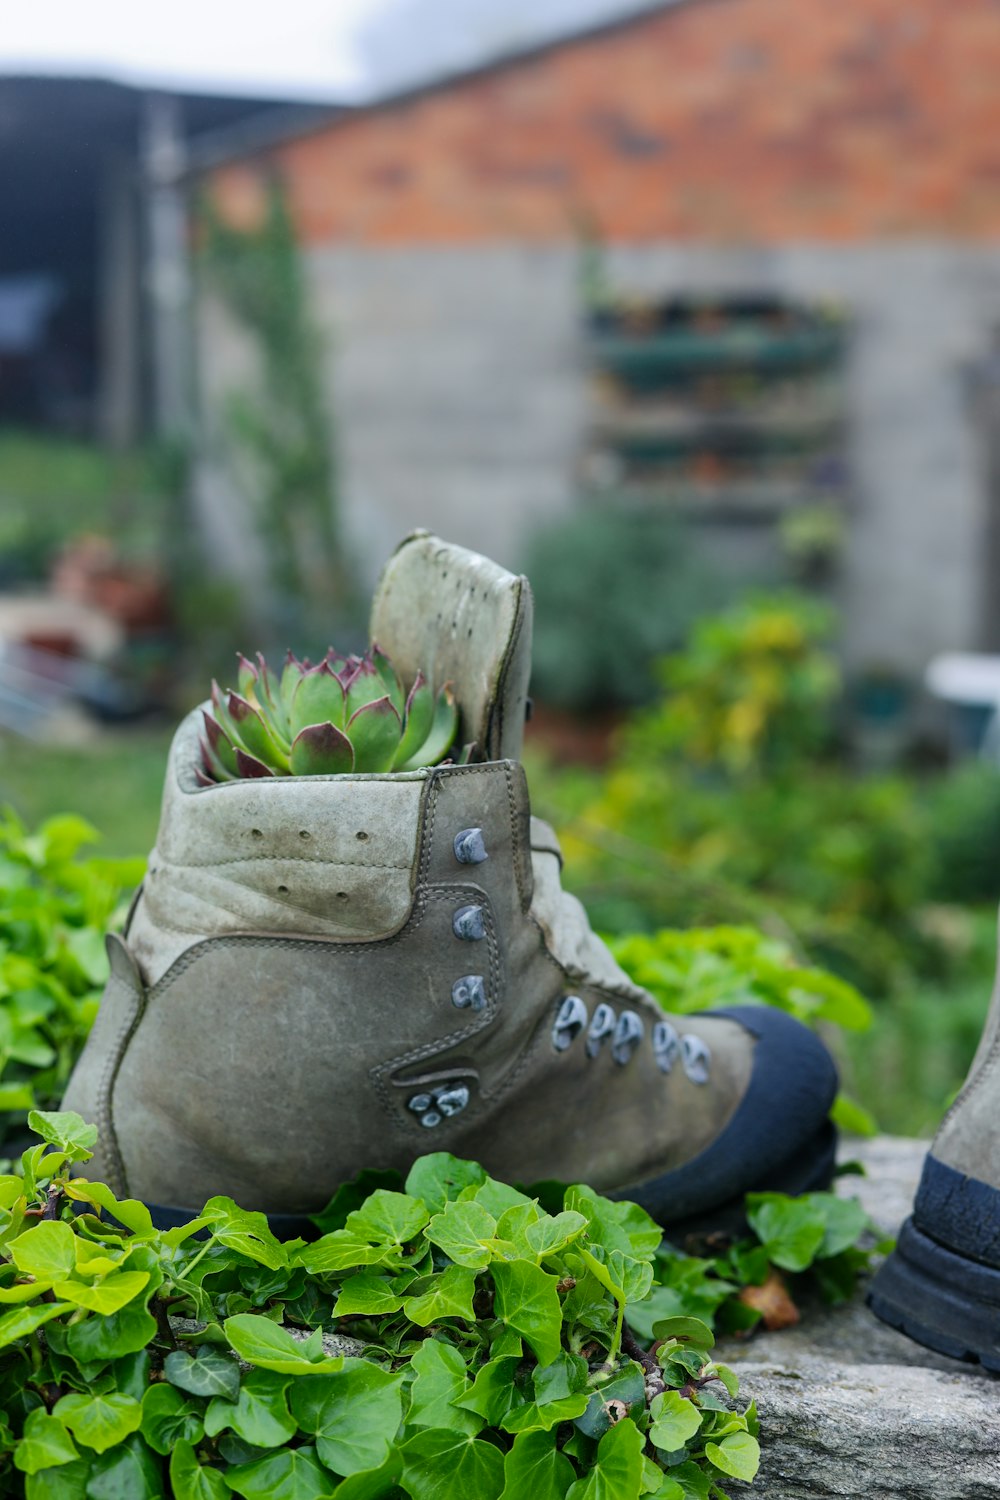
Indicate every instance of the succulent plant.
{"type": "Point", "coordinates": [347, 714]}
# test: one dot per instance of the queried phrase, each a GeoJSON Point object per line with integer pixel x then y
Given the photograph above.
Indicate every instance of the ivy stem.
{"type": "Point", "coordinates": [616, 1342]}
{"type": "Point", "coordinates": [199, 1257]}
{"type": "Point", "coordinates": [634, 1350]}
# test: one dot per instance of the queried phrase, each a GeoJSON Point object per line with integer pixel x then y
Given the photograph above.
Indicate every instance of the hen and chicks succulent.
{"type": "Point", "coordinates": [348, 714]}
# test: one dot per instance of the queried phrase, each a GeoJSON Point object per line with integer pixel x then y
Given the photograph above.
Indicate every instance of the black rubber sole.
{"type": "Point", "coordinates": [809, 1170]}
{"type": "Point", "coordinates": [942, 1300]}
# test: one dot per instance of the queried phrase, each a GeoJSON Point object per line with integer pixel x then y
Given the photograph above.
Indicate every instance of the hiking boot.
{"type": "Point", "coordinates": [941, 1284]}
{"type": "Point", "coordinates": [322, 974]}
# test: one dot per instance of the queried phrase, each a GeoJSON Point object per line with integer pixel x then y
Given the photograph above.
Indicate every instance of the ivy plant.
{"type": "Point", "coordinates": [56, 903]}
{"type": "Point", "coordinates": [450, 1337]}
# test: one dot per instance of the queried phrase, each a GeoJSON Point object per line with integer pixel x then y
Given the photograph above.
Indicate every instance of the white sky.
{"type": "Point", "coordinates": [325, 50]}
{"type": "Point", "coordinates": [300, 48]}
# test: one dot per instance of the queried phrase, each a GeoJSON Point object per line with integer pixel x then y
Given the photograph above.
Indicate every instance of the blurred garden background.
{"type": "Point", "coordinates": [688, 313]}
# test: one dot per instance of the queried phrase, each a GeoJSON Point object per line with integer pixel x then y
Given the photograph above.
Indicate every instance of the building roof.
{"type": "Point", "coordinates": [255, 136]}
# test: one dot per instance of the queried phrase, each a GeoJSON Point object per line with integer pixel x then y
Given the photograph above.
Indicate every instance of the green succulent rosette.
{"type": "Point", "coordinates": [348, 714]}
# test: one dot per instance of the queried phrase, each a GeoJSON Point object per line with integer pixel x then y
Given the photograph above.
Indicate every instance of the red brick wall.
{"type": "Point", "coordinates": [735, 121]}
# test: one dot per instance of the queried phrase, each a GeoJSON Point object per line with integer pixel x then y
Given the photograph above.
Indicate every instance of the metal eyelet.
{"type": "Point", "coordinates": [628, 1034]}
{"type": "Point", "coordinates": [696, 1057]}
{"type": "Point", "coordinates": [438, 1104]}
{"type": "Point", "coordinates": [469, 992]}
{"type": "Point", "coordinates": [569, 1022]}
{"type": "Point", "coordinates": [601, 1027]}
{"type": "Point", "coordinates": [469, 847]}
{"type": "Point", "coordinates": [469, 924]}
{"type": "Point", "coordinates": [666, 1045]}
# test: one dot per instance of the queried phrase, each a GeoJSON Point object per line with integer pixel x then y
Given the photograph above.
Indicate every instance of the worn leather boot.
{"type": "Point", "coordinates": [941, 1284]}
{"type": "Point", "coordinates": [322, 974]}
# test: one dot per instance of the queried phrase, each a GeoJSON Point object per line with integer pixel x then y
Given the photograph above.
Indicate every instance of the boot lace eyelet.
{"type": "Point", "coordinates": [628, 1033]}
{"type": "Point", "coordinates": [696, 1058]}
{"type": "Point", "coordinates": [666, 1045]}
{"type": "Point", "coordinates": [469, 924]}
{"type": "Point", "coordinates": [601, 1027]}
{"type": "Point", "coordinates": [469, 847]}
{"type": "Point", "coordinates": [569, 1022]}
{"type": "Point", "coordinates": [434, 1105]}
{"type": "Point", "coordinates": [469, 992]}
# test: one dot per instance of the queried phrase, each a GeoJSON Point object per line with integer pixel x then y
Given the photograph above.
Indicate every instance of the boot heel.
{"type": "Point", "coordinates": [944, 1301]}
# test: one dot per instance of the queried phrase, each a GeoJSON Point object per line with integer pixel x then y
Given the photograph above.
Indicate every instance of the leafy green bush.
{"type": "Point", "coordinates": [55, 907]}
{"type": "Point", "coordinates": [964, 819]}
{"type": "Point", "coordinates": [613, 591]}
{"type": "Point", "coordinates": [480, 1346]}
{"type": "Point", "coordinates": [752, 691]}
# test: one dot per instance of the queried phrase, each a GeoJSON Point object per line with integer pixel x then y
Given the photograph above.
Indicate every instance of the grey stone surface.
{"type": "Point", "coordinates": [850, 1407]}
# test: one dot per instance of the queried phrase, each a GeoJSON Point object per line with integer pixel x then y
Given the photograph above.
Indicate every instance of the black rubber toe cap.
{"type": "Point", "coordinates": [780, 1122]}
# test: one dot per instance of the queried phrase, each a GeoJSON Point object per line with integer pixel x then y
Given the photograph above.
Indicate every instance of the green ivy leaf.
{"type": "Point", "coordinates": [550, 1234]}
{"type": "Point", "coordinates": [790, 1229]}
{"type": "Point", "coordinates": [102, 1338]}
{"type": "Point", "coordinates": [66, 1483]}
{"type": "Point", "coordinates": [127, 1472]}
{"type": "Point", "coordinates": [99, 1421]}
{"type": "Point", "coordinates": [628, 1386]}
{"type": "Point", "coordinates": [534, 1418]}
{"type": "Point", "coordinates": [271, 1347]}
{"type": "Point", "coordinates": [738, 1455]}
{"type": "Point", "coordinates": [65, 1130]}
{"type": "Point", "coordinates": [496, 1197]}
{"type": "Point", "coordinates": [691, 1332]}
{"type": "Point", "coordinates": [190, 1480]}
{"type": "Point", "coordinates": [617, 1226]}
{"type": "Point", "coordinates": [465, 1232]}
{"type": "Point", "coordinates": [45, 1443]}
{"type": "Point", "coordinates": [373, 1484]}
{"type": "Point", "coordinates": [674, 1421]}
{"type": "Point", "coordinates": [440, 1465]}
{"type": "Point", "coordinates": [448, 1295]}
{"type": "Point", "coordinates": [389, 1218]}
{"type": "Point", "coordinates": [168, 1419]}
{"type": "Point", "coordinates": [367, 1295]}
{"type": "Point", "coordinates": [493, 1392]}
{"type": "Point", "coordinates": [441, 1382]}
{"type": "Point", "coordinates": [244, 1231]}
{"type": "Point", "coordinates": [46, 1251]}
{"type": "Point", "coordinates": [289, 1474]}
{"type": "Point", "coordinates": [617, 1472]}
{"type": "Point", "coordinates": [564, 1377]}
{"type": "Point", "coordinates": [21, 1321]}
{"type": "Point", "coordinates": [354, 1415]}
{"type": "Point", "coordinates": [534, 1467]}
{"type": "Point", "coordinates": [260, 1413]}
{"type": "Point", "coordinates": [109, 1295]}
{"type": "Point", "coordinates": [206, 1372]}
{"type": "Point", "coordinates": [527, 1301]}
{"type": "Point", "coordinates": [440, 1177]}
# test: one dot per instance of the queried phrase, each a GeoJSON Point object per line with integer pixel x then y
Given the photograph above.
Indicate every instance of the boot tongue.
{"type": "Point", "coordinates": [461, 619]}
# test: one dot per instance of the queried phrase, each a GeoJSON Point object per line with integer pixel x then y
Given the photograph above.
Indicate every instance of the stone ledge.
{"type": "Point", "coordinates": [850, 1407]}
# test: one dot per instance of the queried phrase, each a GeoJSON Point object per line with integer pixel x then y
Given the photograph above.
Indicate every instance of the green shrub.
{"type": "Point", "coordinates": [478, 1342]}
{"type": "Point", "coordinates": [55, 907]}
{"type": "Point", "coordinates": [964, 816]}
{"type": "Point", "coordinates": [613, 591]}
{"type": "Point", "coordinates": [751, 692]}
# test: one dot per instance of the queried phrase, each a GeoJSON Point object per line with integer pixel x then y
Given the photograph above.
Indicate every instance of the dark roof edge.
{"type": "Point", "coordinates": [259, 135]}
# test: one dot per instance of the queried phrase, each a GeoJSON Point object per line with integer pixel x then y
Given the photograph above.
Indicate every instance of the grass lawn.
{"type": "Point", "coordinates": [115, 783]}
